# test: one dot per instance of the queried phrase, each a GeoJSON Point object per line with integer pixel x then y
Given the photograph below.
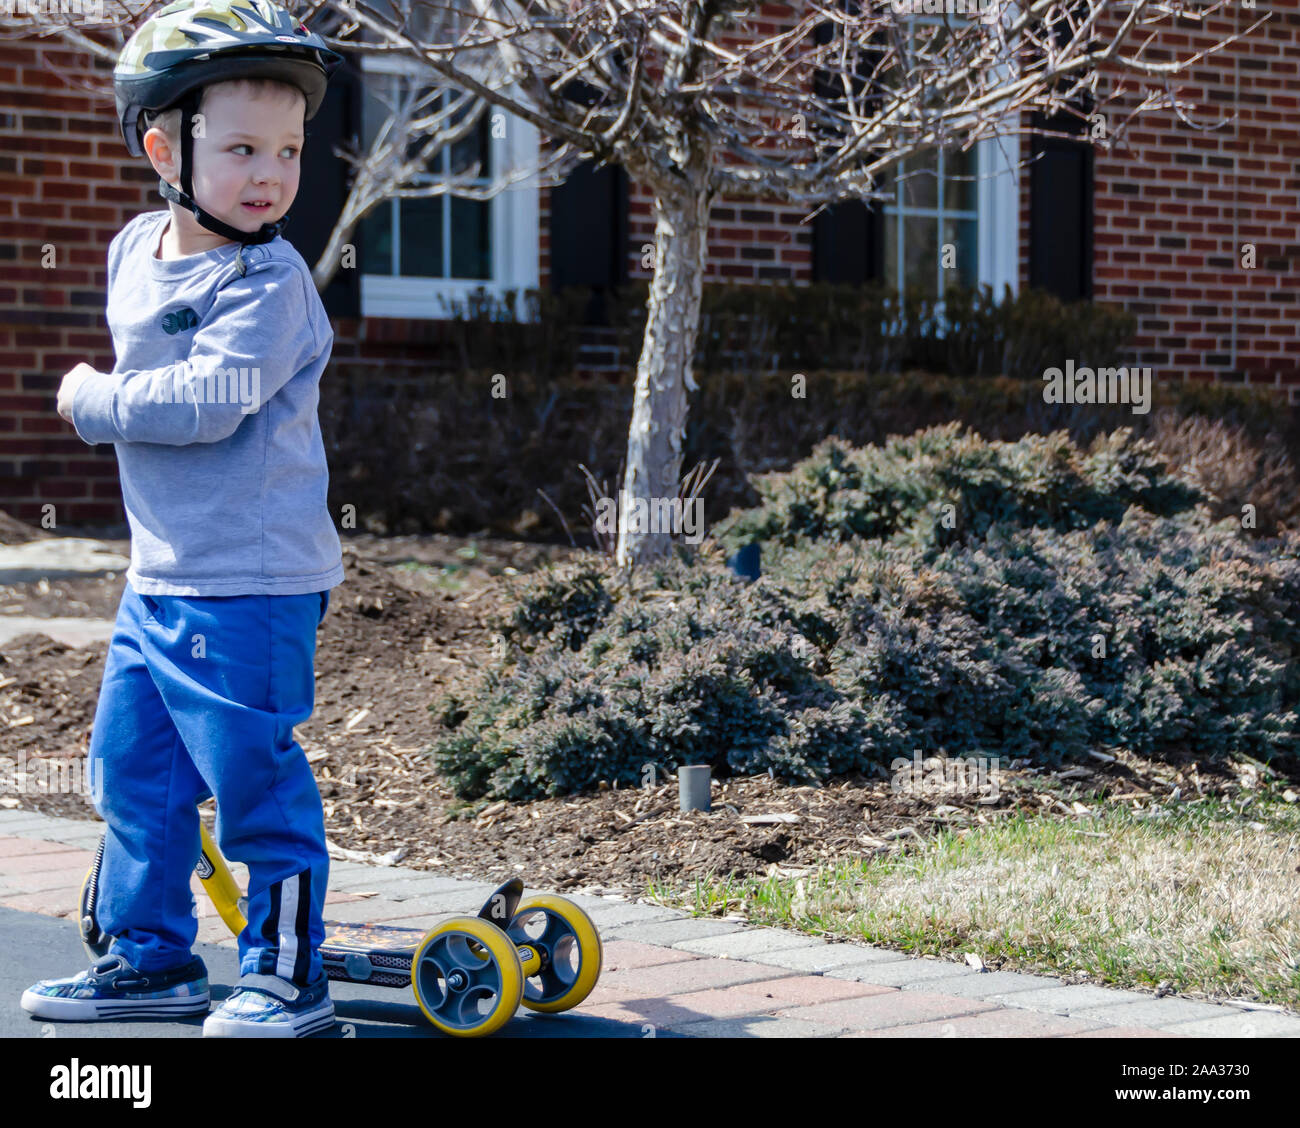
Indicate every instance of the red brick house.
{"type": "Point", "coordinates": [1157, 225]}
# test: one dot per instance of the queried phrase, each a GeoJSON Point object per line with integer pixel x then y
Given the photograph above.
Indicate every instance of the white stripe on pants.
{"type": "Point", "coordinates": [286, 926]}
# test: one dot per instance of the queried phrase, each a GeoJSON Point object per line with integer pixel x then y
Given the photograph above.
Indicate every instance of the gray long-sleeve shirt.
{"type": "Point", "coordinates": [212, 409]}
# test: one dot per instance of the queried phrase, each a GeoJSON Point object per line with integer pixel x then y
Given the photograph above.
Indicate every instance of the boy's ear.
{"type": "Point", "coordinates": [165, 159]}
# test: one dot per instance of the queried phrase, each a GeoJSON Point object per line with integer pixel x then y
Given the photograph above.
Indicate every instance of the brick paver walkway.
{"type": "Point", "coordinates": [701, 978]}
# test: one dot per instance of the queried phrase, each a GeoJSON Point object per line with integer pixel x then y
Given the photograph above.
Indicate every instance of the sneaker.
{"type": "Point", "coordinates": [112, 989]}
{"type": "Point", "coordinates": [266, 1006]}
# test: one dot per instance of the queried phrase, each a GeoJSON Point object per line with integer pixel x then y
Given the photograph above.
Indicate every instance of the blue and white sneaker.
{"type": "Point", "coordinates": [113, 989]}
{"type": "Point", "coordinates": [266, 1006]}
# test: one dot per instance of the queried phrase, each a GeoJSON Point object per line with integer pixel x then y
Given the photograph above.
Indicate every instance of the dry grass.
{"type": "Point", "coordinates": [1194, 898]}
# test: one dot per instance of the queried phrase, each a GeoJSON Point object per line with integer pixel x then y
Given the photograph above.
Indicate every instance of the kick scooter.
{"type": "Point", "coordinates": [469, 973]}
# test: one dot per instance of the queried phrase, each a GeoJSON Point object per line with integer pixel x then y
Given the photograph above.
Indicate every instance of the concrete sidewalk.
{"type": "Point", "coordinates": [668, 973]}
{"type": "Point", "coordinates": [54, 559]}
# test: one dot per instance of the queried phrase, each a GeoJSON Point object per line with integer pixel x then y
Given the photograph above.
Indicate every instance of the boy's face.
{"type": "Point", "coordinates": [250, 151]}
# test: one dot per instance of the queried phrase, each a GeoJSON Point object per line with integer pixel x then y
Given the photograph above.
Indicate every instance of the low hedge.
{"type": "Point", "coordinates": [815, 327]}
{"type": "Point", "coordinates": [441, 454]}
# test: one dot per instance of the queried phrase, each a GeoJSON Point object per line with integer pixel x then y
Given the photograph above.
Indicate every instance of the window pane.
{"type": "Point", "coordinates": [373, 111]}
{"type": "Point", "coordinates": [376, 232]}
{"type": "Point", "coordinates": [430, 23]}
{"type": "Point", "coordinates": [918, 181]}
{"type": "Point", "coordinates": [421, 105]}
{"type": "Point", "coordinates": [888, 182]}
{"type": "Point", "coordinates": [422, 237]}
{"type": "Point", "coordinates": [473, 147]}
{"type": "Point", "coordinates": [470, 245]}
{"type": "Point", "coordinates": [962, 234]}
{"type": "Point", "coordinates": [960, 195]}
{"type": "Point", "coordinates": [921, 253]}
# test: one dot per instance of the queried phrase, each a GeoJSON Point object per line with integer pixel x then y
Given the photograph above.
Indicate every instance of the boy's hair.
{"type": "Point", "coordinates": [169, 121]}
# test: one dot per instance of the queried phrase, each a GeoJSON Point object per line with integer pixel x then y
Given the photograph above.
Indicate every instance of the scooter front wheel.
{"type": "Point", "coordinates": [467, 977]}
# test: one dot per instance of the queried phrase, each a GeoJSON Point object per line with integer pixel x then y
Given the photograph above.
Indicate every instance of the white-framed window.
{"type": "Point", "coordinates": [954, 218]}
{"type": "Point", "coordinates": [416, 251]}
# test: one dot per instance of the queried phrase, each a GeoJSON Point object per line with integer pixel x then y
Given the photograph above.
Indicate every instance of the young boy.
{"type": "Point", "coordinates": [220, 339]}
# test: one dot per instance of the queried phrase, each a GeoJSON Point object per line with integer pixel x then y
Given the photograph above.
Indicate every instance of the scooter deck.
{"type": "Point", "coordinates": [370, 953]}
{"type": "Point", "coordinates": [381, 954]}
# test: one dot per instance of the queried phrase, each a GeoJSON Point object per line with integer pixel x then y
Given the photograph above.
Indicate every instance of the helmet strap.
{"type": "Point", "coordinates": [189, 106]}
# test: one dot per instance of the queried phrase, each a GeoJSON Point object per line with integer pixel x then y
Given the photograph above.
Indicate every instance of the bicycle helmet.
{"type": "Point", "coordinates": [190, 44]}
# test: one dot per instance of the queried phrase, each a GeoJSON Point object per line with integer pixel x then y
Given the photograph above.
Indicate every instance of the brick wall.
{"type": "Point", "coordinates": [1173, 207]}
{"type": "Point", "coordinates": [65, 190]}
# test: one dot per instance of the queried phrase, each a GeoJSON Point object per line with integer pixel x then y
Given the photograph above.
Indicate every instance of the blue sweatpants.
{"type": "Point", "coordinates": [199, 698]}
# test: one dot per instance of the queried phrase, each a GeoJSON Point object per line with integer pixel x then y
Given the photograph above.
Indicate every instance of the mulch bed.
{"type": "Point", "coordinates": [393, 638]}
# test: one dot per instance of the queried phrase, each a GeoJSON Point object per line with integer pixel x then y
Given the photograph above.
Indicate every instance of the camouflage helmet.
{"type": "Point", "coordinates": [190, 44]}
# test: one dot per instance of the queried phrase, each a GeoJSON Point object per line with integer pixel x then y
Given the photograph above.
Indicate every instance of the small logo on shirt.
{"type": "Point", "coordinates": [177, 320]}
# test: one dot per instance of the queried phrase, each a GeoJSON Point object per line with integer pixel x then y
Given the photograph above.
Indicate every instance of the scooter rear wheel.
{"type": "Point", "coordinates": [569, 946]}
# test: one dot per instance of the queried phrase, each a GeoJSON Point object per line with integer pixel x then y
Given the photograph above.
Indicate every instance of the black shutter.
{"type": "Point", "coordinates": [848, 236]}
{"type": "Point", "coordinates": [589, 224]}
{"type": "Point", "coordinates": [323, 188]}
{"type": "Point", "coordinates": [1060, 216]}
{"type": "Point", "coordinates": [1060, 200]}
{"type": "Point", "coordinates": [589, 234]}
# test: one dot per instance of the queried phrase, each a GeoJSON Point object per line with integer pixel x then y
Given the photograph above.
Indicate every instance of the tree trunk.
{"type": "Point", "coordinates": [663, 374]}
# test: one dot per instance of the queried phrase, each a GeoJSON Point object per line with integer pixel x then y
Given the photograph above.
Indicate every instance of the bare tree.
{"type": "Point", "coordinates": [696, 103]}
